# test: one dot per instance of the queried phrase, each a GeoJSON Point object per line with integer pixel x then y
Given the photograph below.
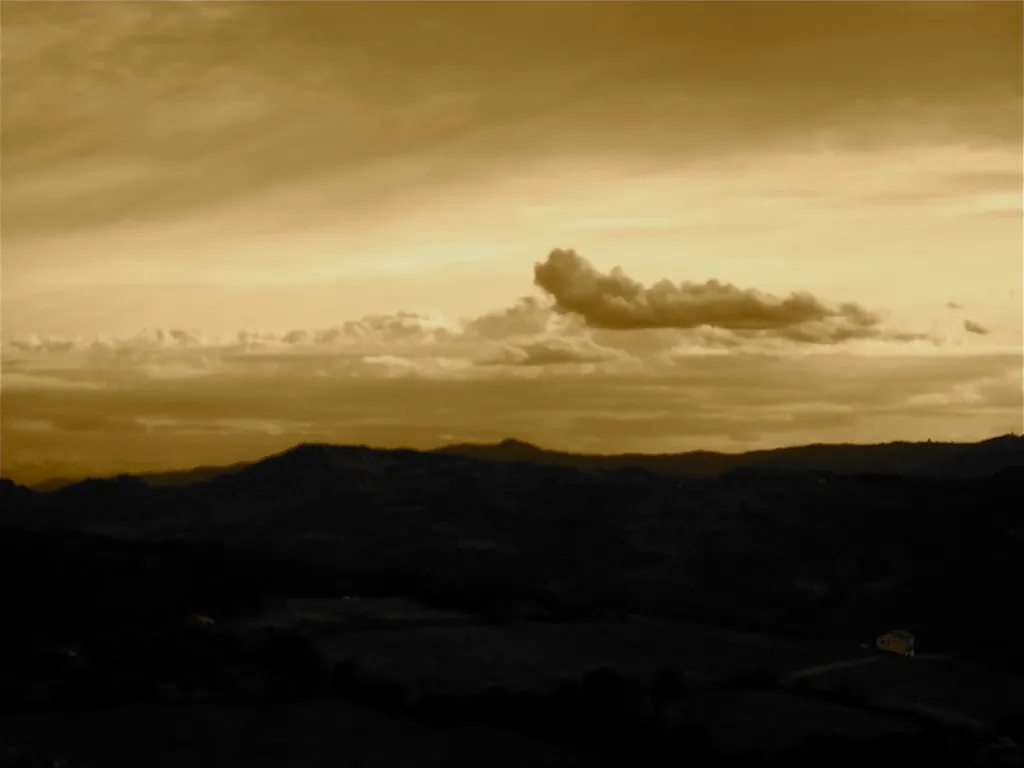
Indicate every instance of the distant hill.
{"type": "Point", "coordinates": [936, 460]}
{"type": "Point", "coordinates": [174, 477]}
{"type": "Point", "coordinates": [508, 449]}
{"type": "Point", "coordinates": [838, 540]}
{"type": "Point", "coordinates": [930, 459]}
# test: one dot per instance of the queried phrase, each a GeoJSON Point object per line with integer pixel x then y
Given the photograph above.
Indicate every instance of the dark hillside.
{"type": "Point", "coordinates": [812, 552]}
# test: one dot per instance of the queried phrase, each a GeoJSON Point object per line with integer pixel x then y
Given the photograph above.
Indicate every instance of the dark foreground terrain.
{"type": "Point", "coordinates": [349, 606]}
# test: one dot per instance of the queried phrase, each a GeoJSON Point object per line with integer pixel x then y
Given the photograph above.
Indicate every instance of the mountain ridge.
{"type": "Point", "coordinates": [928, 459]}
{"type": "Point", "coordinates": [606, 537]}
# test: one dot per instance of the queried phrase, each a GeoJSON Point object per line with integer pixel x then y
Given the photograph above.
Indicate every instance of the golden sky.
{"type": "Point", "coordinates": [230, 227]}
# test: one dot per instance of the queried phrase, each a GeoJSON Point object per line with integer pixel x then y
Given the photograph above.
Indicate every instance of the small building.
{"type": "Point", "coordinates": [897, 641]}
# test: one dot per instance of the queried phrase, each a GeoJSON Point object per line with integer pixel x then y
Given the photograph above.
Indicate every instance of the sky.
{"type": "Point", "coordinates": [230, 227]}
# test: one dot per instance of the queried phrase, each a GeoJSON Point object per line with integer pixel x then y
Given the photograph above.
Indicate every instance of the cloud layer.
{"type": "Point", "coordinates": [718, 402]}
{"type": "Point", "coordinates": [185, 105]}
{"type": "Point", "coordinates": [601, 363]}
{"type": "Point", "coordinates": [587, 319]}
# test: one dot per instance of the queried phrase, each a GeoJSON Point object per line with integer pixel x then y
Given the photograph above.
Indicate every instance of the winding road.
{"type": "Point", "coordinates": [824, 668]}
{"type": "Point", "coordinates": [897, 704]}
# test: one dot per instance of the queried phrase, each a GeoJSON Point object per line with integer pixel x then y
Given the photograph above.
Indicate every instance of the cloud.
{"type": "Point", "coordinates": [831, 332]}
{"type": "Point", "coordinates": [92, 146]}
{"type": "Point", "coordinates": [526, 317]}
{"type": "Point", "coordinates": [551, 351]}
{"type": "Point", "coordinates": [954, 305]}
{"type": "Point", "coordinates": [384, 328]}
{"type": "Point", "coordinates": [399, 326]}
{"type": "Point", "coordinates": [31, 425]}
{"type": "Point", "coordinates": [972, 327]}
{"type": "Point", "coordinates": [1000, 391]}
{"type": "Point", "coordinates": [1000, 213]}
{"type": "Point", "coordinates": [923, 188]}
{"type": "Point", "coordinates": [218, 426]}
{"type": "Point", "coordinates": [588, 322]}
{"type": "Point", "coordinates": [15, 382]}
{"type": "Point", "coordinates": [717, 402]}
{"type": "Point", "coordinates": [617, 302]}
{"type": "Point", "coordinates": [46, 344]}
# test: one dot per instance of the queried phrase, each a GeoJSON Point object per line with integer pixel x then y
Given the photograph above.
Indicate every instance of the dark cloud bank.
{"type": "Point", "coordinates": [617, 302]}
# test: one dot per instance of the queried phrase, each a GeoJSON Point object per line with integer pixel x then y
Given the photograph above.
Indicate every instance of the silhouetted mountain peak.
{"type": "Point", "coordinates": [311, 450]}
{"type": "Point", "coordinates": [100, 485]}
{"type": "Point", "coordinates": [11, 491]}
{"type": "Point", "coordinates": [509, 449]}
{"type": "Point", "coordinates": [511, 443]}
{"type": "Point", "coordinates": [303, 459]}
{"type": "Point", "coordinates": [315, 461]}
{"type": "Point", "coordinates": [1007, 439]}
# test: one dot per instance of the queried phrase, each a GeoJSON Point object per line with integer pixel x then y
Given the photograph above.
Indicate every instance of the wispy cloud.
{"type": "Point", "coordinates": [185, 105]}
{"type": "Point", "coordinates": [972, 327]}
{"type": "Point", "coordinates": [725, 402]}
{"type": "Point", "coordinates": [551, 351]}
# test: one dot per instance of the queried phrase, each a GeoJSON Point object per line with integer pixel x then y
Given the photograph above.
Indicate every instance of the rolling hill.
{"type": "Point", "coordinates": [792, 542]}
{"type": "Point", "coordinates": [930, 459]}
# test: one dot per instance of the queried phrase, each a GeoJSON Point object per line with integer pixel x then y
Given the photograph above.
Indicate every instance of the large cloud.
{"type": "Point", "coordinates": [615, 301]}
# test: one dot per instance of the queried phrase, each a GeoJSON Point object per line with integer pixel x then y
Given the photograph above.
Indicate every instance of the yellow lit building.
{"type": "Point", "coordinates": [897, 641]}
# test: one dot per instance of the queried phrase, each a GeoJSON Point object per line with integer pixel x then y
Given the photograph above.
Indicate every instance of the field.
{"type": "Point", "coordinates": [472, 656]}
{"type": "Point", "coordinates": [310, 735]}
{"type": "Point", "coordinates": [347, 611]}
{"type": "Point", "coordinates": [968, 689]}
{"type": "Point", "coordinates": [534, 599]}
{"type": "Point", "coordinates": [765, 721]}
{"type": "Point", "coordinates": [469, 658]}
